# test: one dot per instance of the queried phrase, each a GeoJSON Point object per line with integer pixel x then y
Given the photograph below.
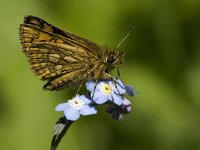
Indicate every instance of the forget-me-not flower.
{"type": "Point", "coordinates": [105, 91]}
{"type": "Point", "coordinates": [79, 105]}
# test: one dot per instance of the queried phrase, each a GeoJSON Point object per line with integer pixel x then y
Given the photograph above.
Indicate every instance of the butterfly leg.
{"type": "Point", "coordinates": [79, 87]}
{"type": "Point", "coordinates": [95, 86]}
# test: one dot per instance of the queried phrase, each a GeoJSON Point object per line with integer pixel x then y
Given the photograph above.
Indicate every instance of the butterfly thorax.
{"type": "Point", "coordinates": [107, 61]}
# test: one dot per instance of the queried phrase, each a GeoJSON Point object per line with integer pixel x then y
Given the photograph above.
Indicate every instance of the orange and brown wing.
{"type": "Point", "coordinates": [67, 37]}
{"type": "Point", "coordinates": [56, 55]}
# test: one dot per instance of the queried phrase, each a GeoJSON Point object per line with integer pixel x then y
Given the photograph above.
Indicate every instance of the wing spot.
{"type": "Point", "coordinates": [54, 58]}
{"type": "Point", "coordinates": [36, 55]}
{"type": "Point", "coordinates": [44, 74]}
{"type": "Point", "coordinates": [35, 65]}
{"type": "Point", "coordinates": [68, 58]}
{"type": "Point", "coordinates": [58, 67]}
{"type": "Point", "coordinates": [43, 50]}
{"type": "Point", "coordinates": [47, 72]}
{"type": "Point", "coordinates": [43, 64]}
{"type": "Point", "coordinates": [52, 74]}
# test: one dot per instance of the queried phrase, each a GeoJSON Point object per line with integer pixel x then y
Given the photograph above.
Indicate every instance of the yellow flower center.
{"type": "Point", "coordinates": [76, 103]}
{"type": "Point", "coordinates": [106, 88]}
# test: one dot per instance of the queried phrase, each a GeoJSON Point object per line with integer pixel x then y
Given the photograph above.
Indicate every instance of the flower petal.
{"type": "Point", "coordinates": [86, 99]}
{"type": "Point", "coordinates": [99, 98]}
{"type": "Point", "coordinates": [88, 110]}
{"type": "Point", "coordinates": [117, 99]}
{"type": "Point", "coordinates": [126, 102]}
{"type": "Point", "coordinates": [119, 90]}
{"type": "Point", "coordinates": [110, 97]}
{"type": "Point", "coordinates": [126, 106]}
{"type": "Point", "coordinates": [61, 107]}
{"type": "Point", "coordinates": [90, 86]}
{"type": "Point", "coordinates": [99, 85]}
{"type": "Point", "coordinates": [118, 86]}
{"type": "Point", "coordinates": [119, 83]}
{"type": "Point", "coordinates": [71, 114]}
{"type": "Point", "coordinates": [128, 109]}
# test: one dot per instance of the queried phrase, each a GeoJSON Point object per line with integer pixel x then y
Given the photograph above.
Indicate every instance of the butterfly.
{"type": "Point", "coordinates": [64, 59]}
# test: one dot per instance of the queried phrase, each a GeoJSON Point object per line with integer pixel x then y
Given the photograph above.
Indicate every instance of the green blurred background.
{"type": "Point", "coordinates": [162, 61]}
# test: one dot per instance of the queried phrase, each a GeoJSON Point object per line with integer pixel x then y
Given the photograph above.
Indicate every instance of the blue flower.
{"type": "Point", "coordinates": [79, 105]}
{"type": "Point", "coordinates": [105, 91]}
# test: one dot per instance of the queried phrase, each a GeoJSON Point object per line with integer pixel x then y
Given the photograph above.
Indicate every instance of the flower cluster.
{"type": "Point", "coordinates": [111, 92]}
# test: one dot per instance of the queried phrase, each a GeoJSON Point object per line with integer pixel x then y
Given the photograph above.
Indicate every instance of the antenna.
{"type": "Point", "coordinates": [128, 34]}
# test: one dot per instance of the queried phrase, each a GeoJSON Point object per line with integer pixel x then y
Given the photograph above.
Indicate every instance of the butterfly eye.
{"type": "Point", "coordinates": [110, 60]}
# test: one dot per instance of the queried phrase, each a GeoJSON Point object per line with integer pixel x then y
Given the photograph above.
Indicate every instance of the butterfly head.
{"type": "Point", "coordinates": [114, 60]}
